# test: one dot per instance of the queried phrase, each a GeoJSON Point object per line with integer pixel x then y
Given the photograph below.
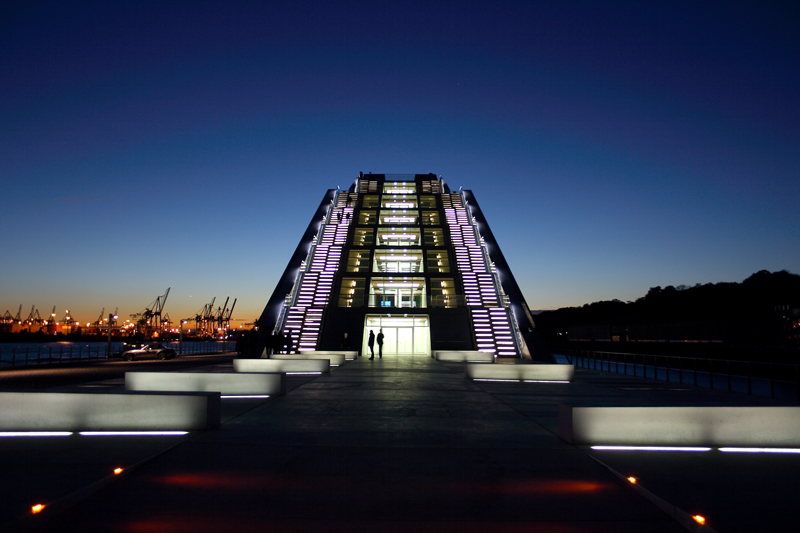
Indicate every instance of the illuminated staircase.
{"type": "Point", "coordinates": [492, 319]}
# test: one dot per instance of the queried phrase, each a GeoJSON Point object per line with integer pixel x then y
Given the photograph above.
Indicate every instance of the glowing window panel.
{"type": "Point", "coordinates": [398, 284]}
{"type": "Point", "coordinates": [399, 220]}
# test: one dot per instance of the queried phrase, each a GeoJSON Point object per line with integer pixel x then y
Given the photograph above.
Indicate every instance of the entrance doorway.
{"type": "Point", "coordinates": [401, 335]}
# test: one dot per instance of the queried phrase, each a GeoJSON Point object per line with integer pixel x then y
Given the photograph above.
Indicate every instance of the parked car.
{"type": "Point", "coordinates": [149, 351]}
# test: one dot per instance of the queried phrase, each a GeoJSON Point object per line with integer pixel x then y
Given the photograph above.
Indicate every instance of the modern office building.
{"type": "Point", "coordinates": [406, 255]}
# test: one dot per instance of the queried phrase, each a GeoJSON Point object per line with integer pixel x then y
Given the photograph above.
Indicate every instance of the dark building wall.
{"type": "Point", "coordinates": [272, 310]}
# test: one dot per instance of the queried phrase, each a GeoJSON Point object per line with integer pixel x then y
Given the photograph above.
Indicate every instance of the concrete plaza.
{"type": "Point", "coordinates": [398, 444]}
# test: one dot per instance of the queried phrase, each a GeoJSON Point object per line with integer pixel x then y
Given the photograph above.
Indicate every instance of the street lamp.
{"type": "Point", "coordinates": [180, 346]}
{"type": "Point", "coordinates": [111, 318]}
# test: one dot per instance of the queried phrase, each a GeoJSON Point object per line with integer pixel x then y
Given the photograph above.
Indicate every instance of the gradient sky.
{"type": "Point", "coordinates": [613, 146]}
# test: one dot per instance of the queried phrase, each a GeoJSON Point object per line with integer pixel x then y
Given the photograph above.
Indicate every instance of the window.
{"type": "Point", "coordinates": [399, 187]}
{"type": "Point", "coordinates": [398, 260]}
{"type": "Point", "coordinates": [401, 202]}
{"type": "Point", "coordinates": [396, 291]}
{"type": "Point", "coordinates": [430, 218]}
{"type": "Point", "coordinates": [351, 293]}
{"type": "Point", "coordinates": [358, 261]}
{"type": "Point", "coordinates": [399, 216]}
{"type": "Point", "coordinates": [398, 236]}
{"type": "Point", "coordinates": [434, 237]}
{"type": "Point", "coordinates": [364, 237]}
{"type": "Point", "coordinates": [427, 202]}
{"type": "Point", "coordinates": [437, 261]}
{"type": "Point", "coordinates": [443, 293]}
{"type": "Point", "coordinates": [367, 217]}
{"type": "Point", "coordinates": [370, 201]}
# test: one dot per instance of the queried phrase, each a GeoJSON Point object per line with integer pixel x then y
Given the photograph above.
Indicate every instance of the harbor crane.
{"type": "Point", "coordinates": [204, 318]}
{"type": "Point", "coordinates": [34, 318]}
{"type": "Point", "coordinates": [149, 320]}
{"type": "Point", "coordinates": [99, 322]}
{"type": "Point", "coordinates": [223, 316]}
{"type": "Point", "coordinates": [7, 318]}
{"type": "Point", "coordinates": [51, 321]}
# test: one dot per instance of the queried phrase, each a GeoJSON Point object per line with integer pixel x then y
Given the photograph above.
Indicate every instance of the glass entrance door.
{"type": "Point", "coordinates": [401, 335]}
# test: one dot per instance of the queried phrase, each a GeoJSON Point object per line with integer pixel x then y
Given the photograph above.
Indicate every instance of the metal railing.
{"type": "Point", "coordinates": [38, 355]}
{"type": "Point", "coordinates": [777, 380]}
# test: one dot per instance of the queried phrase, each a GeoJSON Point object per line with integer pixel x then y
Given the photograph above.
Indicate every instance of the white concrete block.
{"type": "Point", "coordinates": [682, 426]}
{"type": "Point", "coordinates": [522, 371]}
{"type": "Point", "coordinates": [463, 356]}
{"type": "Point", "coordinates": [135, 411]}
{"type": "Point", "coordinates": [227, 383]}
{"type": "Point", "coordinates": [334, 358]}
{"type": "Point", "coordinates": [348, 355]}
{"type": "Point", "coordinates": [282, 365]}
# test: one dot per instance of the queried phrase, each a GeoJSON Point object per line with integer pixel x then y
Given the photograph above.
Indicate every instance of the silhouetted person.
{"type": "Point", "coordinates": [371, 344]}
{"type": "Point", "coordinates": [239, 346]}
{"type": "Point", "coordinates": [252, 344]}
{"type": "Point", "coordinates": [345, 345]}
{"type": "Point", "coordinates": [380, 343]}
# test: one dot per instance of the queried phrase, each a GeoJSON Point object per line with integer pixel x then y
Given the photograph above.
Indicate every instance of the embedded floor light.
{"type": "Point", "coordinates": [117, 471]}
{"type": "Point", "coordinates": [760, 450]}
{"type": "Point", "coordinates": [632, 480]}
{"type": "Point", "coordinates": [35, 433]}
{"type": "Point", "coordinates": [653, 448]}
{"type": "Point", "coordinates": [130, 433]}
{"type": "Point", "coordinates": [37, 508]}
{"type": "Point", "coordinates": [699, 519]}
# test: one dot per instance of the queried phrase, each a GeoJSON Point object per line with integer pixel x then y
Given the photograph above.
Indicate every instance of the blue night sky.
{"type": "Point", "coordinates": [613, 146]}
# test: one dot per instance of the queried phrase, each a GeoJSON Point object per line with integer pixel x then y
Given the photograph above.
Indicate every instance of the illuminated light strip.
{"type": "Point", "coordinates": [299, 373]}
{"type": "Point", "coordinates": [392, 284]}
{"type": "Point", "coordinates": [35, 433]}
{"type": "Point", "coordinates": [760, 450]}
{"type": "Point", "coordinates": [399, 219]}
{"type": "Point", "coordinates": [245, 396]}
{"type": "Point", "coordinates": [130, 433]}
{"type": "Point", "coordinates": [654, 448]}
{"type": "Point", "coordinates": [543, 381]}
{"type": "Point", "coordinates": [504, 380]}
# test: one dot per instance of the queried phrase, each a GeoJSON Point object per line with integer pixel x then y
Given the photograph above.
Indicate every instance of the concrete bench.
{"type": "Point", "coordinates": [348, 355]}
{"type": "Point", "coordinates": [463, 356]}
{"type": "Point", "coordinates": [135, 411]}
{"type": "Point", "coordinates": [682, 426]}
{"type": "Point", "coordinates": [282, 365]}
{"type": "Point", "coordinates": [227, 383]}
{"type": "Point", "coordinates": [336, 359]}
{"type": "Point", "coordinates": [521, 372]}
